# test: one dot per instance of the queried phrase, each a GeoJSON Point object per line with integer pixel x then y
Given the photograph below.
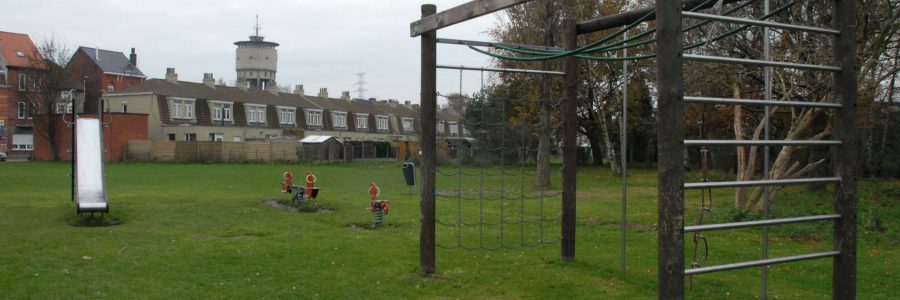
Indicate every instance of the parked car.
{"type": "Point", "coordinates": [3, 156]}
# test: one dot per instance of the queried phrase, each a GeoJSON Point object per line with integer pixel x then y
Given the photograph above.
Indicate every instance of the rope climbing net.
{"type": "Point", "coordinates": [485, 187]}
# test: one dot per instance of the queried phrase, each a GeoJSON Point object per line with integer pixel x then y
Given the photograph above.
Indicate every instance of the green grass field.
{"type": "Point", "coordinates": [202, 231]}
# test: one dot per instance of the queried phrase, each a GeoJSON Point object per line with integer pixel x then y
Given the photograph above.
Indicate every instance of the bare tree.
{"type": "Point", "coordinates": [45, 92]}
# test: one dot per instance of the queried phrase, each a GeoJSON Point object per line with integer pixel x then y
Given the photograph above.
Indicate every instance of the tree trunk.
{"type": "Point", "coordinates": [739, 193]}
{"type": "Point", "coordinates": [610, 150]}
{"type": "Point", "coordinates": [543, 155]}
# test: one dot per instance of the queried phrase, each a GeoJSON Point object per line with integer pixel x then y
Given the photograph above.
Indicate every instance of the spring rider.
{"type": "Point", "coordinates": [298, 193]}
{"type": "Point", "coordinates": [311, 190]}
{"type": "Point", "coordinates": [378, 207]}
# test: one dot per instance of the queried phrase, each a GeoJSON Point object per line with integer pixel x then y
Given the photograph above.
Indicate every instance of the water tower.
{"type": "Point", "coordinates": [256, 61]}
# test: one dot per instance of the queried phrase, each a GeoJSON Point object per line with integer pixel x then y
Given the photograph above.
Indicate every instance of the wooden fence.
{"type": "Point", "coordinates": [207, 151]}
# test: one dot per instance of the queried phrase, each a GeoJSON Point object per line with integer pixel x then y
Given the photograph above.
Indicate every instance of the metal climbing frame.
{"type": "Point", "coordinates": [672, 144]}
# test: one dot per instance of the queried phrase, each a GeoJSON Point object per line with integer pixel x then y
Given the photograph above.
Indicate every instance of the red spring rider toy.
{"type": "Point", "coordinates": [288, 181]}
{"type": "Point", "coordinates": [379, 207]}
{"type": "Point", "coordinates": [310, 183]}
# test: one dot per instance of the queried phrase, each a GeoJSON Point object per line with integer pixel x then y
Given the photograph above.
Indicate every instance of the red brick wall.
{"type": "Point", "coordinates": [124, 127]}
{"type": "Point", "coordinates": [81, 65]}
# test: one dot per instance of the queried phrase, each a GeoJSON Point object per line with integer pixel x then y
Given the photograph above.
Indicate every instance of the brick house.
{"type": "Point", "coordinates": [103, 70]}
{"type": "Point", "coordinates": [18, 69]}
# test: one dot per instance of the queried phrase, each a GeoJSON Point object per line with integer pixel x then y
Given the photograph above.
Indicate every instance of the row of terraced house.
{"type": "Point", "coordinates": [204, 111]}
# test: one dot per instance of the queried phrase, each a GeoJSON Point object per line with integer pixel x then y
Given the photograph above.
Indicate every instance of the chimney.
{"type": "Point", "coordinates": [171, 76]}
{"type": "Point", "coordinates": [372, 100]}
{"type": "Point", "coordinates": [208, 80]}
{"type": "Point", "coordinates": [133, 58]}
{"type": "Point", "coordinates": [323, 92]}
{"type": "Point", "coordinates": [406, 103]}
{"type": "Point", "coordinates": [298, 89]}
{"type": "Point", "coordinates": [345, 95]}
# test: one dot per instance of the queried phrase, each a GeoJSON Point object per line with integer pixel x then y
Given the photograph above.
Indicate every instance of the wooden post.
{"type": "Point", "coordinates": [570, 102]}
{"type": "Point", "coordinates": [845, 156]}
{"type": "Point", "coordinates": [670, 139]}
{"type": "Point", "coordinates": [428, 116]}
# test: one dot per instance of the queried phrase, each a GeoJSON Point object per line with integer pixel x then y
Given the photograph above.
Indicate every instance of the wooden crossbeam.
{"type": "Point", "coordinates": [464, 12]}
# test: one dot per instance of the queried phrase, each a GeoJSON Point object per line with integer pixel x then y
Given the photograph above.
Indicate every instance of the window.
{"type": "Point", "coordinates": [381, 122]}
{"type": "Point", "coordinates": [64, 107]}
{"type": "Point", "coordinates": [407, 124]}
{"type": "Point", "coordinates": [125, 108]}
{"type": "Point", "coordinates": [20, 53]}
{"type": "Point", "coordinates": [2, 76]}
{"type": "Point", "coordinates": [171, 136]}
{"type": "Point", "coordinates": [287, 115]}
{"type": "Point", "coordinates": [182, 108]}
{"type": "Point", "coordinates": [440, 126]}
{"type": "Point", "coordinates": [340, 119]}
{"type": "Point", "coordinates": [65, 103]}
{"type": "Point", "coordinates": [313, 117]}
{"type": "Point", "coordinates": [34, 83]}
{"type": "Point", "coordinates": [23, 142]}
{"type": "Point", "coordinates": [190, 136]}
{"type": "Point", "coordinates": [362, 121]}
{"type": "Point", "coordinates": [110, 88]}
{"type": "Point", "coordinates": [22, 81]}
{"type": "Point", "coordinates": [454, 130]}
{"type": "Point", "coordinates": [257, 113]}
{"type": "Point", "coordinates": [21, 113]}
{"type": "Point", "coordinates": [216, 137]}
{"type": "Point", "coordinates": [221, 111]}
{"type": "Point", "coordinates": [236, 138]}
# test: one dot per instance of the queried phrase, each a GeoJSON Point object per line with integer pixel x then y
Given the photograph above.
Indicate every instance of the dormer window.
{"type": "Point", "coordinates": [182, 108]}
{"type": "Point", "coordinates": [407, 124]}
{"type": "Point", "coordinates": [362, 121]}
{"type": "Point", "coordinates": [340, 119]}
{"type": "Point", "coordinates": [257, 113]}
{"type": "Point", "coordinates": [454, 129]}
{"type": "Point", "coordinates": [286, 115]}
{"type": "Point", "coordinates": [314, 117]}
{"type": "Point", "coordinates": [221, 111]}
{"type": "Point", "coordinates": [381, 122]}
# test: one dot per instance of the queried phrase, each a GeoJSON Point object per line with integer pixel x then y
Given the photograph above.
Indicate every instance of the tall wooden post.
{"type": "Point", "coordinates": [428, 114]}
{"type": "Point", "coordinates": [570, 96]}
{"type": "Point", "coordinates": [670, 139]}
{"type": "Point", "coordinates": [845, 156]}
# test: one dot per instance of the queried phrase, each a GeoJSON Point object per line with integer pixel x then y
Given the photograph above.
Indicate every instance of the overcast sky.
{"type": "Point", "coordinates": [323, 43]}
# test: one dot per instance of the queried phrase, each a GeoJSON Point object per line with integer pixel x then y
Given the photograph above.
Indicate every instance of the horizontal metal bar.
{"type": "Point", "coordinates": [495, 45]}
{"type": "Point", "coordinates": [762, 142]}
{"type": "Point", "coordinates": [769, 24]}
{"type": "Point", "coordinates": [746, 183]}
{"type": "Point", "coordinates": [761, 262]}
{"type": "Point", "coordinates": [760, 223]}
{"type": "Point", "coordinates": [734, 101]}
{"type": "Point", "coordinates": [501, 70]}
{"type": "Point", "coordinates": [768, 63]}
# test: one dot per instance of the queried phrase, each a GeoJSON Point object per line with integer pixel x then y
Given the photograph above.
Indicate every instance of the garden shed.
{"type": "Point", "coordinates": [321, 148]}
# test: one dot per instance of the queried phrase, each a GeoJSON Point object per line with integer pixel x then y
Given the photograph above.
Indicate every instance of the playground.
{"type": "Point", "coordinates": [203, 230]}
